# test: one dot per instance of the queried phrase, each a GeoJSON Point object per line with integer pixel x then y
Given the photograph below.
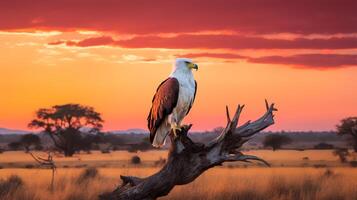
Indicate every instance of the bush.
{"type": "Point", "coordinates": [135, 160]}
{"type": "Point", "coordinates": [353, 163]}
{"type": "Point", "coordinates": [29, 166]}
{"type": "Point", "coordinates": [10, 185]}
{"type": "Point", "coordinates": [323, 145]}
{"type": "Point", "coordinates": [342, 154]}
{"type": "Point", "coordinates": [275, 141]}
{"type": "Point", "coordinates": [105, 151]}
{"type": "Point", "coordinates": [142, 146]}
{"type": "Point", "coordinates": [88, 174]}
{"type": "Point", "coordinates": [328, 173]}
{"type": "Point", "coordinates": [14, 146]}
{"type": "Point", "coordinates": [320, 165]}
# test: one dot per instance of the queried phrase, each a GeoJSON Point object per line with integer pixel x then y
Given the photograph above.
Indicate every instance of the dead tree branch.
{"type": "Point", "coordinates": [188, 160]}
{"type": "Point", "coordinates": [46, 163]}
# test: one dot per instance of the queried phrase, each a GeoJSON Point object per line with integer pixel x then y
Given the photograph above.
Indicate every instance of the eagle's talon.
{"type": "Point", "coordinates": [176, 128]}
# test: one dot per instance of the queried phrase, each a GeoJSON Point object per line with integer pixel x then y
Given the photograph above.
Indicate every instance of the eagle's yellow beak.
{"type": "Point", "coordinates": [193, 66]}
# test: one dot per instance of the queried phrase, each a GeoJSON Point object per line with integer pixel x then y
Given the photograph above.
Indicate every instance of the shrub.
{"type": "Point", "coordinates": [342, 154]}
{"type": "Point", "coordinates": [14, 146]}
{"type": "Point", "coordinates": [135, 160]}
{"type": "Point", "coordinates": [348, 126]}
{"type": "Point", "coordinates": [353, 163]}
{"type": "Point", "coordinates": [105, 151]}
{"type": "Point", "coordinates": [10, 185]}
{"type": "Point", "coordinates": [275, 141]}
{"type": "Point", "coordinates": [328, 173]}
{"type": "Point", "coordinates": [320, 165]}
{"type": "Point", "coordinates": [87, 174]}
{"type": "Point", "coordinates": [29, 166]}
{"type": "Point", "coordinates": [323, 145]}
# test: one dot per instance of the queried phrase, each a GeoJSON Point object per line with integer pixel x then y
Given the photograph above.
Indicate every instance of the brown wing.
{"type": "Point", "coordinates": [193, 100]}
{"type": "Point", "coordinates": [163, 103]}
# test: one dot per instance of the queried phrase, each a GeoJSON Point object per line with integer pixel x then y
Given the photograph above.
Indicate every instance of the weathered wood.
{"type": "Point", "coordinates": [187, 160]}
{"type": "Point", "coordinates": [47, 163]}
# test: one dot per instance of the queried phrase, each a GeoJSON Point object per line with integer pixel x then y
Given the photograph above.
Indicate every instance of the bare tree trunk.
{"type": "Point", "coordinates": [188, 160]}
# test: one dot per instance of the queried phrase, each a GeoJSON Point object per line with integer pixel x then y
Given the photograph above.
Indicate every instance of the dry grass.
{"type": "Point", "coordinates": [273, 183]}
{"type": "Point", "coordinates": [224, 183]}
{"type": "Point", "coordinates": [20, 156]}
{"type": "Point", "coordinates": [287, 158]}
{"type": "Point", "coordinates": [218, 183]}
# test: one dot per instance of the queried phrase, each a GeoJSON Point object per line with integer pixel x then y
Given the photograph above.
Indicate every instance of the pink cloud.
{"type": "Point", "coordinates": [104, 40]}
{"type": "Point", "coordinates": [213, 55]}
{"type": "Point", "coordinates": [321, 61]}
{"type": "Point", "coordinates": [193, 41]}
{"type": "Point", "coordinates": [162, 16]}
{"type": "Point", "coordinates": [317, 61]}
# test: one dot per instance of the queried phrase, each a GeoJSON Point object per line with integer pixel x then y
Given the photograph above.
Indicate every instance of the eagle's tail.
{"type": "Point", "coordinates": [160, 136]}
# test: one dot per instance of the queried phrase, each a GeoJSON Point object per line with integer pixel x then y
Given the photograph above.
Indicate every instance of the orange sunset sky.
{"type": "Point", "coordinates": [112, 55]}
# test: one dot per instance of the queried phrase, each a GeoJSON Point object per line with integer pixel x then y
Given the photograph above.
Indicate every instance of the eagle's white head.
{"type": "Point", "coordinates": [183, 65]}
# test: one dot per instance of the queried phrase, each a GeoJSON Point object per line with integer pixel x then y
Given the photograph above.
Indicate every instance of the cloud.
{"type": "Point", "coordinates": [321, 61]}
{"type": "Point", "coordinates": [312, 61]}
{"type": "Point", "coordinates": [176, 16]}
{"type": "Point", "coordinates": [89, 42]}
{"type": "Point", "coordinates": [95, 41]}
{"type": "Point", "coordinates": [196, 41]}
{"type": "Point", "coordinates": [213, 55]}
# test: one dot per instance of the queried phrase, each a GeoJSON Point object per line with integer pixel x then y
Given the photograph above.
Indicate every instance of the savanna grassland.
{"type": "Point", "coordinates": [310, 174]}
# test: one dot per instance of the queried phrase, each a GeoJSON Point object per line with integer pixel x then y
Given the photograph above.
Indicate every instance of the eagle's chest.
{"type": "Point", "coordinates": [185, 98]}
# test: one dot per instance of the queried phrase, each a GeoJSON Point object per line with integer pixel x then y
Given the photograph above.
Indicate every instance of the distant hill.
{"type": "Point", "coordinates": [4, 131]}
{"type": "Point", "coordinates": [129, 131]}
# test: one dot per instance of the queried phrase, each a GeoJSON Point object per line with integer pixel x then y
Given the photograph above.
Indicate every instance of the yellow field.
{"type": "Point", "coordinates": [218, 183]}
{"type": "Point", "coordinates": [251, 183]}
{"type": "Point", "coordinates": [280, 158]}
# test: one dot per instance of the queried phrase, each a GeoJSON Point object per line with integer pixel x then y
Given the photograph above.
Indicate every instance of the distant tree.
{"type": "Point", "coordinates": [275, 141]}
{"type": "Point", "coordinates": [14, 146]}
{"type": "Point", "coordinates": [218, 130]}
{"type": "Point", "coordinates": [323, 145]}
{"type": "Point", "coordinates": [348, 126]}
{"type": "Point", "coordinates": [30, 140]}
{"type": "Point", "coordinates": [63, 123]}
{"type": "Point", "coordinates": [144, 145]}
{"type": "Point", "coordinates": [342, 154]}
{"type": "Point", "coordinates": [90, 140]}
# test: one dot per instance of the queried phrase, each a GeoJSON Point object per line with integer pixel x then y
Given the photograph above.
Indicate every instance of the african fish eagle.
{"type": "Point", "coordinates": [172, 102]}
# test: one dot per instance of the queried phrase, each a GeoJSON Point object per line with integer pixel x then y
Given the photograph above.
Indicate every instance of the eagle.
{"type": "Point", "coordinates": [172, 101]}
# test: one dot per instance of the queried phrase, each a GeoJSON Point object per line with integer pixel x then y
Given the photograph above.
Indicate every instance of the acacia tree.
{"type": "Point", "coordinates": [348, 126]}
{"type": "Point", "coordinates": [63, 123]}
{"type": "Point", "coordinates": [275, 141]}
